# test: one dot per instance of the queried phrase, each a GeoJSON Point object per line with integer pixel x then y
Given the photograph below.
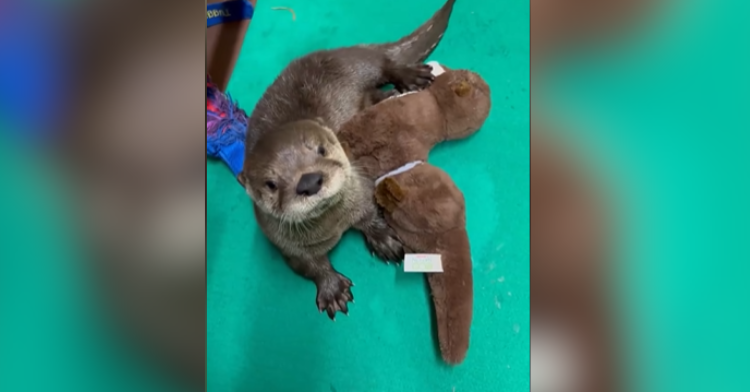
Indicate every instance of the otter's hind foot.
{"type": "Point", "coordinates": [382, 241]}
{"type": "Point", "coordinates": [334, 292]}
{"type": "Point", "coordinates": [411, 77]}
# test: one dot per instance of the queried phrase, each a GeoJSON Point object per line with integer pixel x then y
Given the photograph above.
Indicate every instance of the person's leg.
{"type": "Point", "coordinates": [223, 44]}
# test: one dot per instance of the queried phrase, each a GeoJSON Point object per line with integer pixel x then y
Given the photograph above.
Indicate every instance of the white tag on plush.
{"type": "Point", "coordinates": [423, 262]}
{"type": "Point", "coordinates": [437, 69]}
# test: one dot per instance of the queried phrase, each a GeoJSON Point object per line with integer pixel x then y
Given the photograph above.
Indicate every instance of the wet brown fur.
{"type": "Point", "coordinates": [301, 111]}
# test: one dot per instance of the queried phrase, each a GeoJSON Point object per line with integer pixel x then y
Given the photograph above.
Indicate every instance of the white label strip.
{"type": "Point", "coordinates": [423, 262]}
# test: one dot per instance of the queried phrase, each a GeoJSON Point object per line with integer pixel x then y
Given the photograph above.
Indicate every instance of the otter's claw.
{"type": "Point", "coordinates": [334, 291]}
{"type": "Point", "coordinates": [412, 78]}
{"type": "Point", "coordinates": [384, 243]}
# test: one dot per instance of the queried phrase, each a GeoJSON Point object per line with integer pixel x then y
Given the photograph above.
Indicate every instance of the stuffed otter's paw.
{"type": "Point", "coordinates": [334, 291]}
{"type": "Point", "coordinates": [383, 242]}
{"type": "Point", "coordinates": [412, 78]}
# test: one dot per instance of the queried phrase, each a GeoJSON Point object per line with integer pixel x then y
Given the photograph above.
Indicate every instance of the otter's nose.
{"type": "Point", "coordinates": [310, 184]}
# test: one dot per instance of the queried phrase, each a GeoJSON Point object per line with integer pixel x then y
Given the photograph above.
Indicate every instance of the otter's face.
{"type": "Point", "coordinates": [296, 172]}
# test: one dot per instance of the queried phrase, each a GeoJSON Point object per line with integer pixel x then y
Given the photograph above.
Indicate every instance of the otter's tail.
{"type": "Point", "coordinates": [417, 46]}
{"type": "Point", "coordinates": [453, 297]}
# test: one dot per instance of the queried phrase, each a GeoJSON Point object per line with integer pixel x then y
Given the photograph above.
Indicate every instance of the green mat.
{"type": "Point", "coordinates": [52, 333]}
{"type": "Point", "coordinates": [264, 331]}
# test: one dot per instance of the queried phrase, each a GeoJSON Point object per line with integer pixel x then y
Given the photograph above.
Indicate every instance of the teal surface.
{"type": "Point", "coordinates": [52, 334]}
{"type": "Point", "coordinates": [663, 117]}
{"type": "Point", "coordinates": [264, 331]}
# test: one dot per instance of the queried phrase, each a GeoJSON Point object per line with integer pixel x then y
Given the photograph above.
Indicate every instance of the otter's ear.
{"type": "Point", "coordinates": [462, 88]}
{"type": "Point", "coordinates": [242, 178]}
{"type": "Point", "coordinates": [320, 122]}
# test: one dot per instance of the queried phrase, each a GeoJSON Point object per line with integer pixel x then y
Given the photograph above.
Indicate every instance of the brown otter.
{"type": "Point", "coordinates": [304, 190]}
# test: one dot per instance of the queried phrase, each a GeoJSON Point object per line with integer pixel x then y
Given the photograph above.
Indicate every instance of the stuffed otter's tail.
{"type": "Point", "coordinates": [427, 210]}
{"type": "Point", "coordinates": [452, 295]}
{"type": "Point", "coordinates": [417, 46]}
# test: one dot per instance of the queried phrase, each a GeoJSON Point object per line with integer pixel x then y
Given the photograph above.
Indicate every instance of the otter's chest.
{"type": "Point", "coordinates": [326, 231]}
{"type": "Point", "coordinates": [311, 238]}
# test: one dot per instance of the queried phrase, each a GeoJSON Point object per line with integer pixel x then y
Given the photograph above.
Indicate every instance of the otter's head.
{"type": "Point", "coordinates": [296, 172]}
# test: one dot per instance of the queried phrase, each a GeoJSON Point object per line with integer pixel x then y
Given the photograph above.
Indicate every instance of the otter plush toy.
{"type": "Point", "coordinates": [389, 142]}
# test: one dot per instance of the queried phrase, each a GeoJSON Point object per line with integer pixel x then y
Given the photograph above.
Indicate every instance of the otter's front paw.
{"type": "Point", "coordinates": [334, 291]}
{"type": "Point", "coordinates": [412, 78]}
{"type": "Point", "coordinates": [384, 243]}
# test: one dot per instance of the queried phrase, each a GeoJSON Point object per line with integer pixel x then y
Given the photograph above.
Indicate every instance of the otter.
{"type": "Point", "coordinates": [304, 190]}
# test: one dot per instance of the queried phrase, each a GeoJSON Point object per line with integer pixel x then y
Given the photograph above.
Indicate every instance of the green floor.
{"type": "Point", "coordinates": [264, 332]}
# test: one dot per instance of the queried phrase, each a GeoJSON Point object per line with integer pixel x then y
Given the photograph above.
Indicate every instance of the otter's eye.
{"type": "Point", "coordinates": [271, 185]}
{"type": "Point", "coordinates": [322, 151]}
